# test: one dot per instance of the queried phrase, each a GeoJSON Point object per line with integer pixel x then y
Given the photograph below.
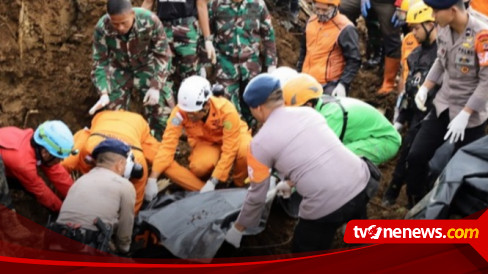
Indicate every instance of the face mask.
{"type": "Point", "coordinates": [324, 17]}
{"type": "Point", "coordinates": [132, 170]}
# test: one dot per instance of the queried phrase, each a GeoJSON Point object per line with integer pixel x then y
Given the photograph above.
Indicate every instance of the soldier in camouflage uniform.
{"type": "Point", "coordinates": [183, 32]}
{"type": "Point", "coordinates": [131, 53]}
{"type": "Point", "coordinates": [240, 26]}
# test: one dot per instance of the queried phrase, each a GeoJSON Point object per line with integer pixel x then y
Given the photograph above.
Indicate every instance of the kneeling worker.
{"type": "Point", "coordinates": [102, 193]}
{"type": "Point", "coordinates": [362, 128]}
{"type": "Point", "coordinates": [132, 129]}
{"type": "Point", "coordinates": [217, 136]}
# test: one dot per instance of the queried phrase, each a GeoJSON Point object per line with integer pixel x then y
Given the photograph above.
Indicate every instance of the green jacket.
{"type": "Point", "coordinates": [367, 133]}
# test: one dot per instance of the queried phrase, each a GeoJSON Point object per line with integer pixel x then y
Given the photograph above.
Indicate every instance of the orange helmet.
{"type": "Point", "coordinates": [330, 2]}
{"type": "Point", "coordinates": [300, 89]}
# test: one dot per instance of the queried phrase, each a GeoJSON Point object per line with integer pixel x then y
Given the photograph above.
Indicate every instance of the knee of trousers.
{"type": "Point", "coordinates": [201, 169]}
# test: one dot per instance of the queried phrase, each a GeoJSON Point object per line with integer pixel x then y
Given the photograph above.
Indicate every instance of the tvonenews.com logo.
{"type": "Point", "coordinates": [466, 231]}
{"type": "Point", "coordinates": [375, 232]}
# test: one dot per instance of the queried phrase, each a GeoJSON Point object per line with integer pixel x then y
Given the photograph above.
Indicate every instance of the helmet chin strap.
{"type": "Point", "coordinates": [37, 150]}
{"type": "Point", "coordinates": [426, 42]}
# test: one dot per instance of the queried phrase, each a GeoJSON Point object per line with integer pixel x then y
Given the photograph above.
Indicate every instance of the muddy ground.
{"type": "Point", "coordinates": [45, 62]}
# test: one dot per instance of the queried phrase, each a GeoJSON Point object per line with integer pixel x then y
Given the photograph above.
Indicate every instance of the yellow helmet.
{"type": "Point", "coordinates": [406, 4]}
{"type": "Point", "coordinates": [330, 2]}
{"type": "Point", "coordinates": [420, 13]}
{"type": "Point", "coordinates": [300, 89]}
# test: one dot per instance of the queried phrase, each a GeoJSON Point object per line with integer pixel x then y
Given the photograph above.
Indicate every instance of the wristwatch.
{"type": "Point", "coordinates": [209, 38]}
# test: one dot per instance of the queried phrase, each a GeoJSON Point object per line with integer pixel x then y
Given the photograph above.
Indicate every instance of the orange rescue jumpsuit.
{"type": "Point", "coordinates": [126, 126]}
{"type": "Point", "coordinates": [409, 43]}
{"type": "Point", "coordinates": [216, 143]}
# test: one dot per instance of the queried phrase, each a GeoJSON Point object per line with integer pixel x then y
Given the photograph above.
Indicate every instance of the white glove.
{"type": "Point", "coordinates": [457, 126]}
{"type": "Point", "coordinates": [152, 97]}
{"type": "Point", "coordinates": [339, 91]}
{"type": "Point", "coordinates": [421, 97]}
{"type": "Point", "coordinates": [398, 126]}
{"type": "Point", "coordinates": [151, 189]}
{"type": "Point", "coordinates": [209, 185]}
{"type": "Point", "coordinates": [271, 69]}
{"type": "Point", "coordinates": [103, 101]}
{"type": "Point", "coordinates": [233, 236]}
{"type": "Point", "coordinates": [211, 55]}
{"type": "Point", "coordinates": [283, 189]}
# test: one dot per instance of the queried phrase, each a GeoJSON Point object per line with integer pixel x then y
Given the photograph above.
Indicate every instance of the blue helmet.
{"type": "Point", "coordinates": [55, 137]}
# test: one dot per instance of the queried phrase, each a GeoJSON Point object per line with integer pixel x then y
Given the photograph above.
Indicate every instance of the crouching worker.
{"type": "Point", "coordinates": [23, 151]}
{"type": "Point", "coordinates": [360, 127]}
{"type": "Point", "coordinates": [217, 136]}
{"type": "Point", "coordinates": [128, 127]}
{"type": "Point", "coordinates": [335, 184]}
{"type": "Point", "coordinates": [101, 200]}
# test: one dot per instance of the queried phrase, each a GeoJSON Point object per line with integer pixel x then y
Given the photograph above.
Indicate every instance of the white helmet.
{"type": "Point", "coordinates": [193, 93]}
{"type": "Point", "coordinates": [284, 74]}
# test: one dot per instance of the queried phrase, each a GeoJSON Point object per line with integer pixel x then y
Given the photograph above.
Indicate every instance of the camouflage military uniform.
{"type": "Point", "coordinates": [179, 18]}
{"type": "Point", "coordinates": [183, 35]}
{"type": "Point", "coordinates": [5, 198]}
{"type": "Point", "coordinates": [133, 62]}
{"type": "Point", "coordinates": [239, 29]}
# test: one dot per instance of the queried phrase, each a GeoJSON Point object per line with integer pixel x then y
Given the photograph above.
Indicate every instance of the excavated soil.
{"type": "Point", "coordinates": [45, 63]}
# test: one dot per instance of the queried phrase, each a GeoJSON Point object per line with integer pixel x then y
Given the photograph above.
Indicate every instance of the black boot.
{"type": "Point", "coordinates": [391, 194]}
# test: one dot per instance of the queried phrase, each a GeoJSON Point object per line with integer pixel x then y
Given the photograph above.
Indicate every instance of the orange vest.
{"type": "Point", "coordinates": [409, 43]}
{"type": "Point", "coordinates": [324, 59]}
{"type": "Point", "coordinates": [480, 6]}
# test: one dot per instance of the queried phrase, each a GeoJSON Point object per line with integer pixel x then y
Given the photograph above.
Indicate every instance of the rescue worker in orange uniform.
{"type": "Point", "coordinates": [409, 43]}
{"type": "Point", "coordinates": [217, 136]}
{"type": "Point", "coordinates": [479, 10]}
{"type": "Point", "coordinates": [125, 126]}
{"type": "Point", "coordinates": [330, 48]}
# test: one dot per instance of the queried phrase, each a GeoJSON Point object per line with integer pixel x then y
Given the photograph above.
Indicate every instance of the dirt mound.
{"type": "Point", "coordinates": [45, 61]}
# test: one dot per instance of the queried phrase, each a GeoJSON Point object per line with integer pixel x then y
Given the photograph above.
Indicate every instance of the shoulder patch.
{"type": "Point", "coordinates": [227, 125]}
{"type": "Point", "coordinates": [256, 170]}
{"type": "Point", "coordinates": [481, 47]}
{"type": "Point", "coordinates": [176, 121]}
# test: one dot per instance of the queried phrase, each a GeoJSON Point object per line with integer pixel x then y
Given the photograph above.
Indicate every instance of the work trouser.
{"type": "Point", "coordinates": [377, 149]}
{"type": "Point", "coordinates": [125, 83]}
{"type": "Point", "coordinates": [5, 198]}
{"type": "Point", "coordinates": [428, 139]}
{"type": "Point", "coordinates": [317, 235]}
{"type": "Point", "coordinates": [234, 74]}
{"type": "Point", "coordinates": [384, 12]}
{"type": "Point", "coordinates": [414, 118]}
{"type": "Point", "coordinates": [183, 35]}
{"type": "Point", "coordinates": [203, 160]}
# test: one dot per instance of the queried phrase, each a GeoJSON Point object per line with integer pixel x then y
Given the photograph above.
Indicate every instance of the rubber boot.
{"type": "Point", "coordinates": [389, 75]}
